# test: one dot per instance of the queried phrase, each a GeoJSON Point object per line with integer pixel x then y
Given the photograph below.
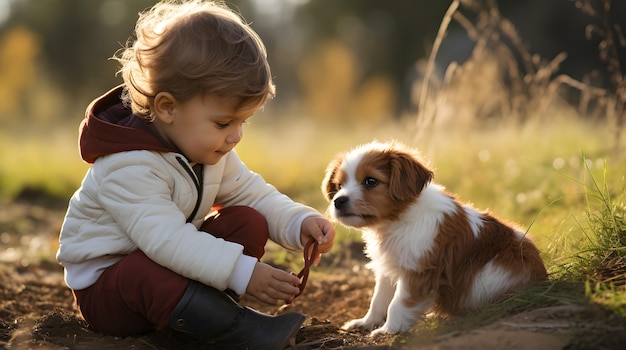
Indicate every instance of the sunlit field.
{"type": "Point", "coordinates": [536, 174]}
{"type": "Point", "coordinates": [42, 161]}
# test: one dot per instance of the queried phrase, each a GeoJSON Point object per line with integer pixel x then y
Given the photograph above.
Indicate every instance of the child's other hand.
{"type": "Point", "coordinates": [269, 284]}
{"type": "Point", "coordinates": [322, 231]}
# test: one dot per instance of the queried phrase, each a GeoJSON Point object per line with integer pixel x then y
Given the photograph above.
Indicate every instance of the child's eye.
{"type": "Point", "coordinates": [222, 125]}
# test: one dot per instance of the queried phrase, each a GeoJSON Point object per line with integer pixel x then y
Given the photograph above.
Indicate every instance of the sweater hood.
{"type": "Point", "coordinates": [110, 127]}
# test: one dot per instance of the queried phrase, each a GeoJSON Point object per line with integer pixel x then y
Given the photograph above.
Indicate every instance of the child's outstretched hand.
{"type": "Point", "coordinates": [269, 284]}
{"type": "Point", "coordinates": [322, 231]}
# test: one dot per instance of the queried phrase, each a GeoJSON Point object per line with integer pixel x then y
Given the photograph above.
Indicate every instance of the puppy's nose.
{"type": "Point", "coordinates": [341, 202]}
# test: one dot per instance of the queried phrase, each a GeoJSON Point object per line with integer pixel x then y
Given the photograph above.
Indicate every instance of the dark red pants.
{"type": "Point", "coordinates": [137, 295]}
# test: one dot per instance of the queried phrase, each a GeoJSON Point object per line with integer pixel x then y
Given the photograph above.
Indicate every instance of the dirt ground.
{"type": "Point", "coordinates": [37, 312]}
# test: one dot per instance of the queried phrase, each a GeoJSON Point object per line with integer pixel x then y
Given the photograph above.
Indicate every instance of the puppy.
{"type": "Point", "coordinates": [428, 251]}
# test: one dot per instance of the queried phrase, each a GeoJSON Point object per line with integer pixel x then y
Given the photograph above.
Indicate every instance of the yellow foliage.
{"type": "Point", "coordinates": [19, 48]}
{"type": "Point", "coordinates": [374, 100]}
{"type": "Point", "coordinates": [330, 79]}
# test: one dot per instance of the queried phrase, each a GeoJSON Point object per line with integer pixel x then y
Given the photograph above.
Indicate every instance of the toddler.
{"type": "Point", "coordinates": [168, 226]}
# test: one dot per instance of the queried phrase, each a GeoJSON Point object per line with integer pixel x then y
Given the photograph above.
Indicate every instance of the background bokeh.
{"type": "Point", "coordinates": [354, 60]}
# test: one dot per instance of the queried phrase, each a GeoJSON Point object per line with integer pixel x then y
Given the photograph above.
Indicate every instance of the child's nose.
{"type": "Point", "coordinates": [236, 136]}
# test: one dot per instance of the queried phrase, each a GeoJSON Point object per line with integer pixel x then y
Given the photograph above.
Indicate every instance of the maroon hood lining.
{"type": "Point", "coordinates": [110, 127]}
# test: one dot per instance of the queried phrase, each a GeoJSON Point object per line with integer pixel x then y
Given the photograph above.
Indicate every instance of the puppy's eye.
{"type": "Point", "coordinates": [370, 182]}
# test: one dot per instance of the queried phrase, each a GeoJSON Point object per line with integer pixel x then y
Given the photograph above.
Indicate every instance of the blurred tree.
{"type": "Point", "coordinates": [328, 78]}
{"type": "Point", "coordinates": [78, 37]}
{"type": "Point", "coordinates": [331, 90]}
{"type": "Point", "coordinates": [386, 37]}
{"type": "Point", "coordinates": [19, 48]}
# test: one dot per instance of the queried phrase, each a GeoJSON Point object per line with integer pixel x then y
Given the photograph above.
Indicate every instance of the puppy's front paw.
{"type": "Point", "coordinates": [382, 330]}
{"type": "Point", "coordinates": [391, 328]}
{"type": "Point", "coordinates": [361, 323]}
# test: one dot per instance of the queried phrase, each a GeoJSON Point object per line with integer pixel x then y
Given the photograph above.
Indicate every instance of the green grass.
{"type": "Point", "coordinates": [598, 257]}
{"type": "Point", "coordinates": [42, 162]}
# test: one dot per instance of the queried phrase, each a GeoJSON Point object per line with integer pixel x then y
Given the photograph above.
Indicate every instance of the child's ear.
{"type": "Point", "coordinates": [164, 107]}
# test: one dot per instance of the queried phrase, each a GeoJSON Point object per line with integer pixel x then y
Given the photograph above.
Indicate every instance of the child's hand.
{"type": "Point", "coordinates": [269, 284]}
{"type": "Point", "coordinates": [322, 231]}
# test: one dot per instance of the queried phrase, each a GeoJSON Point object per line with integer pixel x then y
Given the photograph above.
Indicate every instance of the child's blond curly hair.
{"type": "Point", "coordinates": [193, 47]}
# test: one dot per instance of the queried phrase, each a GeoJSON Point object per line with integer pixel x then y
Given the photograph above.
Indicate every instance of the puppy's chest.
{"type": "Point", "coordinates": [391, 254]}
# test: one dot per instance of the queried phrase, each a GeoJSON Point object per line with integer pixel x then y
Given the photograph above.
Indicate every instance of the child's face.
{"type": "Point", "coordinates": [206, 127]}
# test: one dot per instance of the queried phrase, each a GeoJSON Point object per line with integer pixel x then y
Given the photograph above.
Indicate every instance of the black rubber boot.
{"type": "Point", "coordinates": [207, 312]}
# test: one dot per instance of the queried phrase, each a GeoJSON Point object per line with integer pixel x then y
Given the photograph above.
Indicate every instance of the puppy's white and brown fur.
{"type": "Point", "coordinates": [428, 250]}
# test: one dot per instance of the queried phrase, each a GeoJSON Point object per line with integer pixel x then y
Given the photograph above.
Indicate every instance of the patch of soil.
{"type": "Point", "coordinates": [37, 310]}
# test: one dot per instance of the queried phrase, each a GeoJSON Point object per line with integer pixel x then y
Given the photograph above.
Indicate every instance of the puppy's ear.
{"type": "Point", "coordinates": [408, 176]}
{"type": "Point", "coordinates": [329, 185]}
